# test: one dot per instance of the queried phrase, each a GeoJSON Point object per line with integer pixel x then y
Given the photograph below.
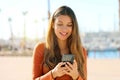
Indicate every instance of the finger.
{"type": "Point", "coordinates": [69, 65]}
{"type": "Point", "coordinates": [67, 72]}
{"type": "Point", "coordinates": [75, 63]}
{"type": "Point", "coordinates": [61, 63]}
{"type": "Point", "coordinates": [63, 70]}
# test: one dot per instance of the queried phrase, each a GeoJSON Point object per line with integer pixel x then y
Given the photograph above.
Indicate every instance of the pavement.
{"type": "Point", "coordinates": [103, 69]}
{"type": "Point", "coordinates": [19, 68]}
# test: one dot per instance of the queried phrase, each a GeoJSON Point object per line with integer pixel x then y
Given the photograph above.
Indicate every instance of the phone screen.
{"type": "Point", "coordinates": [68, 58]}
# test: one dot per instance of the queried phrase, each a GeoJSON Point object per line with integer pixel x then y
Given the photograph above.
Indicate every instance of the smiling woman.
{"type": "Point", "coordinates": [62, 38]}
{"type": "Point", "coordinates": [63, 27]}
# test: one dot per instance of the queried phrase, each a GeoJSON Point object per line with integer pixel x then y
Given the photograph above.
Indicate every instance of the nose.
{"type": "Point", "coordinates": [64, 28]}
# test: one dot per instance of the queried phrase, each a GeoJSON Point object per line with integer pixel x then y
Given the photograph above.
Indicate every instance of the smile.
{"type": "Point", "coordinates": [63, 33]}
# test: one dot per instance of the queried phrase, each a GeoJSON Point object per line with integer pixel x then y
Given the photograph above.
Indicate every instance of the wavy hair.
{"type": "Point", "coordinates": [52, 51]}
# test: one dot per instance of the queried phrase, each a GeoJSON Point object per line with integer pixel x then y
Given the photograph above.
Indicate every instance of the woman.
{"type": "Point", "coordinates": [63, 38]}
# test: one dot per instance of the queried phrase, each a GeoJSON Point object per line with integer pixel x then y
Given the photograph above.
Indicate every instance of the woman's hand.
{"type": "Point", "coordinates": [59, 71]}
{"type": "Point", "coordinates": [68, 68]}
{"type": "Point", "coordinates": [72, 70]}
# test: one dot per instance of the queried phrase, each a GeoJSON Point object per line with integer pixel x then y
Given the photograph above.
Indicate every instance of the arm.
{"type": "Point", "coordinates": [85, 65]}
{"type": "Point", "coordinates": [37, 60]}
{"type": "Point", "coordinates": [37, 71]}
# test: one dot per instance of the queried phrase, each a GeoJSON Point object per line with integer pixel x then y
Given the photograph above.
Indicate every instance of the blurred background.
{"type": "Point", "coordinates": [23, 23]}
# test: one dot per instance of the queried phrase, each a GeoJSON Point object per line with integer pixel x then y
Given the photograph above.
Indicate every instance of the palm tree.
{"type": "Point", "coordinates": [24, 14]}
{"type": "Point", "coordinates": [119, 15]}
{"type": "Point", "coordinates": [11, 31]}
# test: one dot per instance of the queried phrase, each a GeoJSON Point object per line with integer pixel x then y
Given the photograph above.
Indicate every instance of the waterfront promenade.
{"type": "Point", "coordinates": [19, 68]}
{"type": "Point", "coordinates": [103, 69]}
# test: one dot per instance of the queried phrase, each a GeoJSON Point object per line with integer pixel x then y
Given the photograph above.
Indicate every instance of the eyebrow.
{"type": "Point", "coordinates": [62, 22]}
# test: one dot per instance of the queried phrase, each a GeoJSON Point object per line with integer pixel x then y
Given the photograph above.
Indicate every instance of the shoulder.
{"type": "Point", "coordinates": [39, 45]}
{"type": "Point", "coordinates": [39, 48]}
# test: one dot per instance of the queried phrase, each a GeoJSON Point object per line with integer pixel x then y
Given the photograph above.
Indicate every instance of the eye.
{"type": "Point", "coordinates": [59, 24]}
{"type": "Point", "coordinates": [69, 25]}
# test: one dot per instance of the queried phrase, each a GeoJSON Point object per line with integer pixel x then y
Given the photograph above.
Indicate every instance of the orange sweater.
{"type": "Point", "coordinates": [42, 71]}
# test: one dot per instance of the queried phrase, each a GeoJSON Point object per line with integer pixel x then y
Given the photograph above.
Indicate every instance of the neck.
{"type": "Point", "coordinates": [62, 45]}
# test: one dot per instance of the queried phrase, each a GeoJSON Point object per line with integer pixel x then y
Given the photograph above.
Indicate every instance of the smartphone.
{"type": "Point", "coordinates": [68, 58]}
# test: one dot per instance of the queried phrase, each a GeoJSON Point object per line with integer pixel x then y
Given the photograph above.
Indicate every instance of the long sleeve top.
{"type": "Point", "coordinates": [42, 71]}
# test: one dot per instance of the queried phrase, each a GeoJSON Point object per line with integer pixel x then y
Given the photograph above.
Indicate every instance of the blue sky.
{"type": "Point", "coordinates": [92, 15]}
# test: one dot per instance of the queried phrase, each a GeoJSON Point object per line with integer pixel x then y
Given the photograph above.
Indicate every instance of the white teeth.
{"type": "Point", "coordinates": [63, 33]}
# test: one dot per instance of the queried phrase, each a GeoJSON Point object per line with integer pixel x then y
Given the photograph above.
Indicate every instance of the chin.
{"type": "Point", "coordinates": [63, 39]}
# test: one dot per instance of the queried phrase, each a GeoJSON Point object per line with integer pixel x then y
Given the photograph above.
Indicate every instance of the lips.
{"type": "Point", "coordinates": [63, 33]}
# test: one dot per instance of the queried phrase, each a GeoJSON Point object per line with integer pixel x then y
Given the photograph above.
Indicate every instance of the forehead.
{"type": "Point", "coordinates": [63, 18]}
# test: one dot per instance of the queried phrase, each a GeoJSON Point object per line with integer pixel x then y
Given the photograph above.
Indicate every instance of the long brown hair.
{"type": "Point", "coordinates": [52, 52]}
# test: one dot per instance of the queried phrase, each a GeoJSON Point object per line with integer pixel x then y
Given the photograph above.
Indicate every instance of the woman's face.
{"type": "Point", "coordinates": [63, 27]}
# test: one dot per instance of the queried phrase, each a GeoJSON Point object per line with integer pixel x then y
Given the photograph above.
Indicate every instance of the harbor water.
{"type": "Point", "coordinates": [104, 54]}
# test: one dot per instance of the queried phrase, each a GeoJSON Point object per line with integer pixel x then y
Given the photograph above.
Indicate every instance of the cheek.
{"type": "Point", "coordinates": [56, 30]}
{"type": "Point", "coordinates": [70, 30]}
